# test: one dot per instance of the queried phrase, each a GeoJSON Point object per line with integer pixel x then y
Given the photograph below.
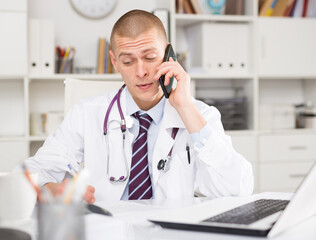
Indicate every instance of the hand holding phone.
{"type": "Point", "coordinates": [167, 89]}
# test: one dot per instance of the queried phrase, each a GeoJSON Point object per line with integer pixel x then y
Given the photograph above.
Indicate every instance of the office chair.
{"type": "Point", "coordinates": [76, 89]}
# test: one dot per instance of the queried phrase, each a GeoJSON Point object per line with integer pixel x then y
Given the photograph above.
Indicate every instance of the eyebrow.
{"type": "Point", "coordinates": [130, 54]}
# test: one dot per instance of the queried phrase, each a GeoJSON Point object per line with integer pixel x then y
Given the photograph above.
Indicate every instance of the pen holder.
{"type": "Point", "coordinates": [61, 221]}
{"type": "Point", "coordinates": [64, 65]}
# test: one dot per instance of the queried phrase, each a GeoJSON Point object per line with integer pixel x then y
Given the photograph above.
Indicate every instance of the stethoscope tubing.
{"type": "Point", "coordinates": [123, 129]}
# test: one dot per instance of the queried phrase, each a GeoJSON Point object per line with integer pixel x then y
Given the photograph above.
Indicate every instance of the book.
{"type": "Point", "coordinates": [179, 6]}
{"type": "Point", "coordinates": [271, 8]}
{"type": "Point", "coordinates": [101, 50]}
{"type": "Point", "coordinates": [298, 9]}
{"type": "Point", "coordinates": [305, 6]}
{"type": "Point", "coordinates": [234, 7]}
{"type": "Point", "coordinates": [109, 68]}
{"type": "Point", "coordinates": [280, 8]}
{"type": "Point", "coordinates": [265, 7]}
{"type": "Point", "coordinates": [289, 8]}
{"type": "Point", "coordinates": [106, 53]}
{"type": "Point", "coordinates": [311, 10]}
{"type": "Point", "coordinates": [188, 7]}
{"type": "Point", "coordinates": [261, 2]}
{"type": "Point", "coordinates": [196, 6]}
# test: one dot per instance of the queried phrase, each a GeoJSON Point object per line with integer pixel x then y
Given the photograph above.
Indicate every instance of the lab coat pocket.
{"type": "Point", "coordinates": [178, 181]}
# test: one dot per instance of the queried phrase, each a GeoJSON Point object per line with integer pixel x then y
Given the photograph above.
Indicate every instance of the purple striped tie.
{"type": "Point", "coordinates": [139, 180]}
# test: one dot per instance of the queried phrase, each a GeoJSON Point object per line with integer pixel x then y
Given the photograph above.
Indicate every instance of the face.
{"type": "Point", "coordinates": [137, 59]}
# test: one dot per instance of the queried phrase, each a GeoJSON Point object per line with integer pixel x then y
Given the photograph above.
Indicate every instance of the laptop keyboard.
{"type": "Point", "coordinates": [250, 212]}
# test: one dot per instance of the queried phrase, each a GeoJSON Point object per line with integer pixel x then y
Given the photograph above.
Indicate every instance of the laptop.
{"type": "Point", "coordinates": [247, 216]}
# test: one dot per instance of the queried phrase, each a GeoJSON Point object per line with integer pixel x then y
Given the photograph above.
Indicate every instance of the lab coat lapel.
{"type": "Point", "coordinates": [165, 142]}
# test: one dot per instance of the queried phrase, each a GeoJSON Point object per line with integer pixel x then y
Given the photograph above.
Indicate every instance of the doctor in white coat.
{"type": "Point", "coordinates": [203, 158]}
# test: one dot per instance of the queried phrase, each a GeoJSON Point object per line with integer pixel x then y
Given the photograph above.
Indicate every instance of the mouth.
{"type": "Point", "coordinates": [144, 86]}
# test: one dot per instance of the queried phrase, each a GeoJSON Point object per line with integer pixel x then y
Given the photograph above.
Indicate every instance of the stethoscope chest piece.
{"type": "Point", "coordinates": [163, 165]}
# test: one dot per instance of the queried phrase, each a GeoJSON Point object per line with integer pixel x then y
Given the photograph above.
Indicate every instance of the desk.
{"type": "Point", "coordinates": [129, 222]}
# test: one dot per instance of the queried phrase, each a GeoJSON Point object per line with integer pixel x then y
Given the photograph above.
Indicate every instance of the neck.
{"type": "Point", "coordinates": [145, 106]}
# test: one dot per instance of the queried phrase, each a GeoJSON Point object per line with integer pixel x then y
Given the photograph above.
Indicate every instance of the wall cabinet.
{"type": "Point", "coordinates": [265, 61]}
{"type": "Point", "coordinates": [287, 47]}
{"type": "Point", "coordinates": [13, 43]}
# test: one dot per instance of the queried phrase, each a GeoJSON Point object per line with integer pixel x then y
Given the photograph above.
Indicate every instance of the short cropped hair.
{"type": "Point", "coordinates": [134, 23]}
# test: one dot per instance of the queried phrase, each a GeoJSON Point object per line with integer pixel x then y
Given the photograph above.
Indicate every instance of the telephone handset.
{"type": "Point", "coordinates": [167, 89]}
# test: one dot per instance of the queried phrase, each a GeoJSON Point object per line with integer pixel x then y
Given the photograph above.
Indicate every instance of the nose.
{"type": "Point", "coordinates": [141, 69]}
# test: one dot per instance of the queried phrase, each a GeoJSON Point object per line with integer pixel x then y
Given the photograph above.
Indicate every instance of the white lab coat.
{"type": "Point", "coordinates": [215, 170]}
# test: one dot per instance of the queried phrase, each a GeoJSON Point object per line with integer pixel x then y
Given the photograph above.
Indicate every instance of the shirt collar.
{"type": "Point", "coordinates": [155, 113]}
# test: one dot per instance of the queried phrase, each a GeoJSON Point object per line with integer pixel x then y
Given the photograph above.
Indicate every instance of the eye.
{"type": "Point", "coordinates": [151, 57]}
{"type": "Point", "coordinates": [127, 61]}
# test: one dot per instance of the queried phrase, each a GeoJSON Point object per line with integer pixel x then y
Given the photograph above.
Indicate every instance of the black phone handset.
{"type": "Point", "coordinates": [167, 89]}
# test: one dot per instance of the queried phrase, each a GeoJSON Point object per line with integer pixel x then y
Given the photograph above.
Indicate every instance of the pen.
{"type": "Point", "coordinates": [188, 151]}
{"type": "Point", "coordinates": [96, 209]}
{"type": "Point", "coordinates": [35, 186]}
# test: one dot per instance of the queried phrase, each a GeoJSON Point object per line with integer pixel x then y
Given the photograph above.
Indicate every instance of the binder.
{"type": "Point", "coordinates": [47, 48]}
{"type": "Point", "coordinates": [34, 49]}
{"type": "Point", "coordinates": [219, 49]}
{"type": "Point", "coordinates": [41, 47]}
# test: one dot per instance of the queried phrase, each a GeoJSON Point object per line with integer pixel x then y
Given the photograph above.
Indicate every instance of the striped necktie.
{"type": "Point", "coordinates": [139, 181]}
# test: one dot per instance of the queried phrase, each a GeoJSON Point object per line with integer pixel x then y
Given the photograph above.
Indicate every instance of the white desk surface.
{"type": "Point", "coordinates": [130, 221]}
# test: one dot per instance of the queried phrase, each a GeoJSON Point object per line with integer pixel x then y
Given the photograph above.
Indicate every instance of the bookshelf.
{"type": "Point", "coordinates": [276, 80]}
{"type": "Point", "coordinates": [275, 76]}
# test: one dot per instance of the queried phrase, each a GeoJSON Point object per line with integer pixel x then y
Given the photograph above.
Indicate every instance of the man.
{"type": "Point", "coordinates": [187, 130]}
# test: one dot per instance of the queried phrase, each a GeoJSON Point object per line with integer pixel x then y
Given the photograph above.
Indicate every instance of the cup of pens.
{"type": "Point", "coordinates": [61, 221]}
{"type": "Point", "coordinates": [64, 59]}
{"type": "Point", "coordinates": [62, 216]}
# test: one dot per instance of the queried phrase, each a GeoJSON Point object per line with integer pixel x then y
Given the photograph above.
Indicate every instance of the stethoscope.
{"type": "Point", "coordinates": [163, 164]}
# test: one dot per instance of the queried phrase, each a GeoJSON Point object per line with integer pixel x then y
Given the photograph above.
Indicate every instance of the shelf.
{"type": "Point", "coordinates": [13, 139]}
{"type": "Point", "coordinates": [212, 76]}
{"type": "Point", "coordinates": [37, 138]}
{"type": "Point", "coordinates": [189, 19]}
{"type": "Point", "coordinates": [284, 77]}
{"type": "Point", "coordinates": [10, 77]}
{"type": "Point", "coordinates": [59, 77]}
{"type": "Point", "coordinates": [241, 132]}
{"type": "Point", "coordinates": [288, 131]}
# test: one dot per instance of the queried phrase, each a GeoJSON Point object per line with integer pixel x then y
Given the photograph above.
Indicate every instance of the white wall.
{"type": "Point", "coordinates": [72, 29]}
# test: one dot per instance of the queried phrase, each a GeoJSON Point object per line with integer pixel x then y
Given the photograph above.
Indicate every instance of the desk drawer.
{"type": "Point", "coordinates": [282, 176]}
{"type": "Point", "coordinates": [287, 147]}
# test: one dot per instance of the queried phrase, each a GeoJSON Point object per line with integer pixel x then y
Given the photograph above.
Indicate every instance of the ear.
{"type": "Point", "coordinates": [113, 60]}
